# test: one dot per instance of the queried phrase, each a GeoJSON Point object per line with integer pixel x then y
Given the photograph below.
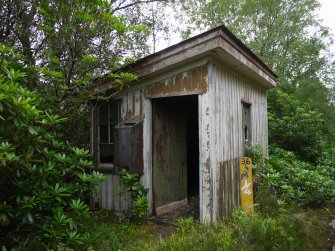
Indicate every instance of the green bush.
{"type": "Point", "coordinates": [138, 193]}
{"type": "Point", "coordinates": [295, 126]}
{"type": "Point", "coordinates": [293, 180]}
{"type": "Point", "coordinates": [44, 182]}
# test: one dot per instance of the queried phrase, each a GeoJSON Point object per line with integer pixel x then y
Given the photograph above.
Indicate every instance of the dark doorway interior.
{"type": "Point", "coordinates": [192, 140]}
{"type": "Point", "coordinates": [176, 151]}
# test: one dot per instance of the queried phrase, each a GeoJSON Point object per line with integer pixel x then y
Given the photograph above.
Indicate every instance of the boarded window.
{"type": "Point", "coordinates": [108, 117]}
{"type": "Point", "coordinates": [246, 123]}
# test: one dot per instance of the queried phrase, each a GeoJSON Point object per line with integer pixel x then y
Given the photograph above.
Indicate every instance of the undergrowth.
{"type": "Point", "coordinates": [286, 228]}
{"type": "Point", "coordinates": [241, 232]}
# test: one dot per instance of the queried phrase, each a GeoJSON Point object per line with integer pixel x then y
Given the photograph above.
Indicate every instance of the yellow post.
{"type": "Point", "coordinates": [247, 195]}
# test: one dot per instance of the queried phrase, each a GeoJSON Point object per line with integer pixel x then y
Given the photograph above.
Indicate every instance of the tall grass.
{"type": "Point", "coordinates": [241, 232]}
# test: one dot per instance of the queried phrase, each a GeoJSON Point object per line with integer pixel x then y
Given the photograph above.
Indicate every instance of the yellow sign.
{"type": "Point", "coordinates": [247, 195]}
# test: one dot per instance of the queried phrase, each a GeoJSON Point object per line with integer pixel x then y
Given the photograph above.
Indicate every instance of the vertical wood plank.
{"type": "Point", "coordinates": [204, 159]}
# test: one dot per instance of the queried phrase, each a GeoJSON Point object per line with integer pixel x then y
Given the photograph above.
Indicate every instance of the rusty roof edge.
{"type": "Point", "coordinates": [249, 53]}
{"type": "Point", "coordinates": [145, 60]}
{"type": "Point", "coordinates": [221, 31]}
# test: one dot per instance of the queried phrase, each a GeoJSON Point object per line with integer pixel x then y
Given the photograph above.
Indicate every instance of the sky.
{"type": "Point", "coordinates": [327, 13]}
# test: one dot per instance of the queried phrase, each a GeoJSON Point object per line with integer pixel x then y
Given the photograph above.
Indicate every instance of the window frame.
{"type": "Point", "coordinates": [110, 126]}
{"type": "Point", "coordinates": [246, 122]}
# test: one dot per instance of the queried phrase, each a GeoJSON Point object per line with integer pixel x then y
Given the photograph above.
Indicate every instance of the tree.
{"type": "Point", "coordinates": [67, 44]}
{"type": "Point", "coordinates": [288, 37]}
{"type": "Point", "coordinates": [44, 182]}
{"type": "Point", "coordinates": [158, 16]}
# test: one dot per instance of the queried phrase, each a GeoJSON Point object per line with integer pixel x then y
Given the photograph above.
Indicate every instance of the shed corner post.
{"type": "Point", "coordinates": [147, 152]}
{"type": "Point", "coordinates": [205, 175]}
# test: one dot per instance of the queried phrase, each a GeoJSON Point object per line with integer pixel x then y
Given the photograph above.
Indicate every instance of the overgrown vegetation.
{"type": "Point", "coordinates": [294, 181]}
{"type": "Point", "coordinates": [274, 227]}
{"type": "Point", "coordinates": [242, 232]}
{"type": "Point", "coordinates": [44, 182]}
{"type": "Point", "coordinates": [138, 194]}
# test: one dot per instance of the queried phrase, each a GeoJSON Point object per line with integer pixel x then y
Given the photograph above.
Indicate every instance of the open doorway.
{"type": "Point", "coordinates": [176, 154]}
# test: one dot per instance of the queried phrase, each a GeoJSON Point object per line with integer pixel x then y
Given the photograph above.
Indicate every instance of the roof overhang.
{"type": "Point", "coordinates": [218, 43]}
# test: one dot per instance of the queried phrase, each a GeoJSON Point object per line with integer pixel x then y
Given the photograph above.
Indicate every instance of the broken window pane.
{"type": "Point", "coordinates": [106, 153]}
{"type": "Point", "coordinates": [108, 118]}
{"type": "Point", "coordinates": [103, 114]}
{"type": "Point", "coordinates": [246, 125]}
{"type": "Point", "coordinates": [103, 130]}
{"type": "Point", "coordinates": [113, 113]}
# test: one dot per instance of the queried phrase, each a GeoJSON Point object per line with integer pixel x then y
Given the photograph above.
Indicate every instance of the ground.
{"type": "Point", "coordinates": [111, 233]}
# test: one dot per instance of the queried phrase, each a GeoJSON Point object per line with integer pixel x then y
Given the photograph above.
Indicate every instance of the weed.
{"type": "Point", "coordinates": [138, 192]}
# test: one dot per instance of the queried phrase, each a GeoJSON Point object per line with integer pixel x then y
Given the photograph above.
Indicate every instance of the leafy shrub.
{"type": "Point", "coordinates": [284, 232]}
{"type": "Point", "coordinates": [295, 126]}
{"type": "Point", "coordinates": [257, 155]}
{"type": "Point", "coordinates": [293, 180]}
{"type": "Point", "coordinates": [138, 192]}
{"type": "Point", "coordinates": [44, 182]}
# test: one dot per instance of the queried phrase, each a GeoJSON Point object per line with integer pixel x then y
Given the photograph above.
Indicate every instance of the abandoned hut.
{"type": "Point", "coordinates": [184, 125]}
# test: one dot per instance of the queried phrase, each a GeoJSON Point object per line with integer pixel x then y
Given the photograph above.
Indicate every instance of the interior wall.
{"type": "Point", "coordinates": [169, 152]}
{"type": "Point", "coordinates": [175, 147]}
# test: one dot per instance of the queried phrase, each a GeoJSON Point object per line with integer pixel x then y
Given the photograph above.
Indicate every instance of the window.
{"type": "Point", "coordinates": [108, 117]}
{"type": "Point", "coordinates": [246, 123]}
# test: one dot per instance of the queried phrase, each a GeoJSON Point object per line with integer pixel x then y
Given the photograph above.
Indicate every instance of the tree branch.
{"type": "Point", "coordinates": [135, 3]}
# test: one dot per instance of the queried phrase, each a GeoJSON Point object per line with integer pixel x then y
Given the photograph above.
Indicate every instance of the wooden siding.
{"type": "Point", "coordinates": [187, 83]}
{"type": "Point", "coordinates": [220, 133]}
{"type": "Point", "coordinates": [128, 146]}
{"type": "Point", "coordinates": [222, 138]}
{"type": "Point", "coordinates": [136, 104]}
{"type": "Point", "coordinates": [108, 198]}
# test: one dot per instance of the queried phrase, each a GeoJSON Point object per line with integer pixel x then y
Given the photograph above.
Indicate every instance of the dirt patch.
{"type": "Point", "coordinates": [165, 224]}
{"type": "Point", "coordinates": [159, 230]}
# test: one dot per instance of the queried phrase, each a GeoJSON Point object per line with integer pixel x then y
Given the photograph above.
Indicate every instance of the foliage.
{"type": "Point", "coordinates": [108, 232]}
{"type": "Point", "coordinates": [295, 126]}
{"type": "Point", "coordinates": [286, 34]}
{"type": "Point", "coordinates": [292, 229]}
{"type": "Point", "coordinates": [44, 182]}
{"type": "Point", "coordinates": [293, 180]}
{"type": "Point", "coordinates": [158, 17]}
{"type": "Point", "coordinates": [242, 232]}
{"type": "Point", "coordinates": [289, 38]}
{"type": "Point", "coordinates": [67, 44]}
{"type": "Point", "coordinates": [255, 152]}
{"type": "Point", "coordinates": [138, 192]}
{"type": "Point", "coordinates": [282, 231]}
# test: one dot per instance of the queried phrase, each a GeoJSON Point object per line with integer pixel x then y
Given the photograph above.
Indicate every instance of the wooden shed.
{"type": "Point", "coordinates": [184, 125]}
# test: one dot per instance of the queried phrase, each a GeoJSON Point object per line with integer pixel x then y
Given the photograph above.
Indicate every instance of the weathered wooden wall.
{"type": "Point", "coordinates": [221, 92]}
{"type": "Point", "coordinates": [136, 104]}
{"type": "Point", "coordinates": [108, 198]}
{"type": "Point", "coordinates": [221, 138]}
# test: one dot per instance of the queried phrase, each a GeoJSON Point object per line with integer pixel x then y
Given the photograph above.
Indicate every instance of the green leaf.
{"type": "Point", "coordinates": [32, 130]}
{"type": "Point", "coordinates": [30, 218]}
